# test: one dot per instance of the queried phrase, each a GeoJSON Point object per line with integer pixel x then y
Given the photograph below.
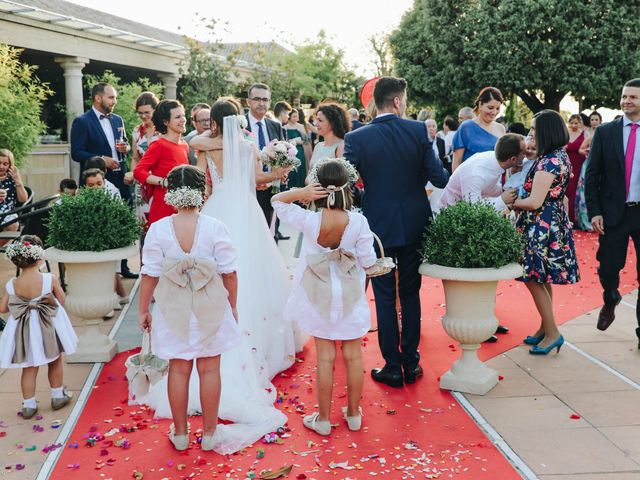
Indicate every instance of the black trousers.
{"type": "Point", "coordinates": [612, 255]}
{"type": "Point", "coordinates": [264, 200]}
{"type": "Point", "coordinates": [399, 351]}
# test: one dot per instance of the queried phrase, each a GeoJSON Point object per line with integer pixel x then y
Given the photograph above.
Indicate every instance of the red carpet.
{"type": "Point", "coordinates": [415, 432]}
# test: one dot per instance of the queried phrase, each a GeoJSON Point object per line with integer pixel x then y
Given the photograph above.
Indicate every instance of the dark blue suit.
{"type": "Point", "coordinates": [89, 140]}
{"type": "Point", "coordinates": [395, 159]}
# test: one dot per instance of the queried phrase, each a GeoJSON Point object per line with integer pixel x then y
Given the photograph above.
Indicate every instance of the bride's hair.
{"type": "Point", "coordinates": [333, 174]}
{"type": "Point", "coordinates": [221, 109]}
{"type": "Point", "coordinates": [186, 176]}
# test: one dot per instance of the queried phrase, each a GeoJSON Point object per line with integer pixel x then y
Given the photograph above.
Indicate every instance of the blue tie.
{"type": "Point", "coordinates": [261, 143]}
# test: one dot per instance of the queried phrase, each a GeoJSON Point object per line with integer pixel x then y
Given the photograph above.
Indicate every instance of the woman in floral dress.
{"type": "Point", "coordinates": [549, 255]}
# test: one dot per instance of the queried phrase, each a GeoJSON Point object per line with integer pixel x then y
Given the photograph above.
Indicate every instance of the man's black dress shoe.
{"type": "Point", "coordinates": [279, 236]}
{"type": "Point", "coordinates": [388, 378]}
{"type": "Point", "coordinates": [502, 329]}
{"type": "Point", "coordinates": [607, 316]}
{"type": "Point", "coordinates": [129, 274]}
{"type": "Point", "coordinates": [410, 376]}
{"type": "Point", "coordinates": [491, 339]}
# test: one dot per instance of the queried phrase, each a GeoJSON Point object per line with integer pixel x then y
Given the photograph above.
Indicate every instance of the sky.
{"type": "Point", "coordinates": [348, 23]}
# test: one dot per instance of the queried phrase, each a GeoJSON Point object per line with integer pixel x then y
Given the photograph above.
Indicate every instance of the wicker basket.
{"type": "Point", "coordinates": [383, 264]}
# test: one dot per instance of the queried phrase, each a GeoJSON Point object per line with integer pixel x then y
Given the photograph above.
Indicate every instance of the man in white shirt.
{"type": "Point", "coordinates": [482, 177]}
{"type": "Point", "coordinates": [201, 121]}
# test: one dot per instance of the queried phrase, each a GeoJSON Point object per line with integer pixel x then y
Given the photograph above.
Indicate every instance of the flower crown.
{"type": "Point", "coordinates": [184, 197]}
{"type": "Point", "coordinates": [352, 173]}
{"type": "Point", "coordinates": [26, 250]}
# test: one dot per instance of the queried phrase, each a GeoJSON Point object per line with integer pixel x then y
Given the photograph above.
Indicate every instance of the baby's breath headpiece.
{"type": "Point", "coordinates": [184, 197]}
{"type": "Point", "coordinates": [352, 173]}
{"type": "Point", "coordinates": [27, 250]}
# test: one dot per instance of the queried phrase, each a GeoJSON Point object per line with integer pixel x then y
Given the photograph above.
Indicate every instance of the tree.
{"type": "Point", "coordinates": [127, 94]}
{"type": "Point", "coordinates": [204, 74]}
{"type": "Point", "coordinates": [383, 59]}
{"type": "Point", "coordinates": [541, 50]}
{"type": "Point", "coordinates": [314, 71]}
{"type": "Point", "coordinates": [21, 99]}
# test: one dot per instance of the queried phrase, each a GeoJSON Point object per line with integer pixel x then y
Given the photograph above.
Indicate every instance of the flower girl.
{"type": "Point", "coordinates": [328, 300]}
{"type": "Point", "coordinates": [38, 329]}
{"type": "Point", "coordinates": [189, 268]}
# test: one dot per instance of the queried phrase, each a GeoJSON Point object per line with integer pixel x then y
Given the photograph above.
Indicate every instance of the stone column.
{"type": "Point", "coordinates": [72, 67]}
{"type": "Point", "coordinates": [170, 82]}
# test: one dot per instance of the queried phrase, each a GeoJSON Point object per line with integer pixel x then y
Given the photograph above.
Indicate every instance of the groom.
{"type": "Point", "coordinates": [395, 159]}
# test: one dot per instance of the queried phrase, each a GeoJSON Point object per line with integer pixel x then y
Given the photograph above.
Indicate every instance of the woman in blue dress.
{"type": "Point", "coordinates": [481, 133]}
{"type": "Point", "coordinates": [549, 254]}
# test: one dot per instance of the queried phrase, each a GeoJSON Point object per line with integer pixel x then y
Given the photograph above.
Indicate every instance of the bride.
{"type": "Point", "coordinates": [269, 342]}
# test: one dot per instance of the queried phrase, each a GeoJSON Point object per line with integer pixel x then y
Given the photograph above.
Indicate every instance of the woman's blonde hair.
{"type": "Point", "coordinates": [9, 154]}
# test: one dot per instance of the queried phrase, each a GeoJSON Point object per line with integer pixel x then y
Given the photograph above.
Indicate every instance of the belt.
{"type": "Point", "coordinates": [633, 204]}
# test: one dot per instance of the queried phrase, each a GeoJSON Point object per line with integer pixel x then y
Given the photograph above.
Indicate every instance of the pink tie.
{"type": "Point", "coordinates": [628, 157]}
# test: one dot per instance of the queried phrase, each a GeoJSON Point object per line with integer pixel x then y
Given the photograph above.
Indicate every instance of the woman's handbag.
{"type": "Point", "coordinates": [143, 370]}
{"type": "Point", "coordinates": [383, 264]}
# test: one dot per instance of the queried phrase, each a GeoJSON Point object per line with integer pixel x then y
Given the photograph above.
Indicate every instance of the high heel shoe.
{"type": "Point", "coordinates": [531, 340]}
{"type": "Point", "coordinates": [536, 350]}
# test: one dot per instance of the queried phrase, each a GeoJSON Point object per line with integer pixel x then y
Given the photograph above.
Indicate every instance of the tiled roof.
{"type": "Point", "coordinates": [101, 18]}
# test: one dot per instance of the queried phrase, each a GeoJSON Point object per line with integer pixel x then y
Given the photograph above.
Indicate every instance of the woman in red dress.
{"type": "Point", "coordinates": [167, 152]}
{"type": "Point", "coordinates": [576, 137]}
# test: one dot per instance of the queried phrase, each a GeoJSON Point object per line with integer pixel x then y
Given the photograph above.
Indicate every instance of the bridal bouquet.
{"type": "Point", "coordinates": [280, 154]}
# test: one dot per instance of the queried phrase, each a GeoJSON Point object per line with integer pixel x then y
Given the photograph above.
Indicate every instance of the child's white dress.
{"type": "Point", "coordinates": [212, 242]}
{"type": "Point", "coordinates": [36, 355]}
{"type": "Point", "coordinates": [341, 320]}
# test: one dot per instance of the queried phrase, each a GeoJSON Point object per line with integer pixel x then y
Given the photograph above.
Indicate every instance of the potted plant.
{"type": "Point", "coordinates": [470, 247]}
{"type": "Point", "coordinates": [90, 233]}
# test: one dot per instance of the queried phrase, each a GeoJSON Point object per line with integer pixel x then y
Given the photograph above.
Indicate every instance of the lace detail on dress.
{"type": "Point", "coordinates": [216, 179]}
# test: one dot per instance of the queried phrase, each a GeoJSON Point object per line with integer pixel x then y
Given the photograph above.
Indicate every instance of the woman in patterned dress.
{"type": "Point", "coordinates": [549, 255]}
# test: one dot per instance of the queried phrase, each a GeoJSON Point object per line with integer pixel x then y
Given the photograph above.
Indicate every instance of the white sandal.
{"type": "Point", "coordinates": [180, 442]}
{"type": "Point", "coordinates": [354, 423]}
{"type": "Point", "coordinates": [209, 443]}
{"type": "Point", "coordinates": [318, 426]}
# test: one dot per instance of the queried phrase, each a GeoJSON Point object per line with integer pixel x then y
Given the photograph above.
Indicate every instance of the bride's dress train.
{"type": "Point", "coordinates": [269, 342]}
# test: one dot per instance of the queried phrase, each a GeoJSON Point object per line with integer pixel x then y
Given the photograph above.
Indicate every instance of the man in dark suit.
{"type": "Point", "coordinates": [612, 193]}
{"type": "Point", "coordinates": [264, 130]}
{"type": "Point", "coordinates": [100, 133]}
{"type": "Point", "coordinates": [395, 159]}
{"type": "Point", "coordinates": [355, 123]}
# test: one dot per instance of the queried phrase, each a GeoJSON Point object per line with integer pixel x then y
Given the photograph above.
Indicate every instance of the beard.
{"type": "Point", "coordinates": [107, 108]}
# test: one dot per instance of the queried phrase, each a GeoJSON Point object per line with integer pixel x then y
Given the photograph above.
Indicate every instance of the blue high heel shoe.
{"type": "Point", "coordinates": [536, 350]}
{"type": "Point", "coordinates": [531, 340]}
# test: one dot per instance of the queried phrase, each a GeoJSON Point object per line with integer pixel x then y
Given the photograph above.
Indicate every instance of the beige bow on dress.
{"type": "Point", "coordinates": [20, 310]}
{"type": "Point", "coordinates": [191, 285]}
{"type": "Point", "coordinates": [316, 281]}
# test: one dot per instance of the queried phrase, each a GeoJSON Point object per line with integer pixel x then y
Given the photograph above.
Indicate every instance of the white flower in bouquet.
{"type": "Point", "coordinates": [280, 154]}
{"type": "Point", "coordinates": [242, 121]}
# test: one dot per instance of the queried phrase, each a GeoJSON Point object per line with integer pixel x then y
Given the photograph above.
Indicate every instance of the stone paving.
{"type": "Point", "coordinates": [573, 416]}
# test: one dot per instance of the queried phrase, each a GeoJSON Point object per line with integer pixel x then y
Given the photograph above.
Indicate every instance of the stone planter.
{"type": "Point", "coordinates": [90, 296]}
{"type": "Point", "coordinates": [469, 319]}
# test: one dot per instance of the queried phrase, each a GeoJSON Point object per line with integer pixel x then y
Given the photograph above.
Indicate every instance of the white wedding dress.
{"type": "Point", "coordinates": [269, 342]}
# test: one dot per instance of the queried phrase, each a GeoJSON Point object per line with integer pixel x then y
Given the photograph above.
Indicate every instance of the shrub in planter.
{"type": "Point", "coordinates": [471, 235]}
{"type": "Point", "coordinates": [93, 220]}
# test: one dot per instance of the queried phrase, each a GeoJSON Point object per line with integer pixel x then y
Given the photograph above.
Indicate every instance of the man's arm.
{"type": "Point", "coordinates": [80, 141]}
{"type": "Point", "coordinates": [434, 171]}
{"type": "Point", "coordinates": [593, 174]}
